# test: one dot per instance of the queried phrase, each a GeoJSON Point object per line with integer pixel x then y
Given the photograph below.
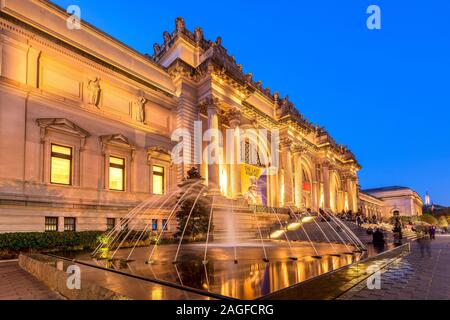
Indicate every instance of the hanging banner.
{"type": "Point", "coordinates": [254, 184]}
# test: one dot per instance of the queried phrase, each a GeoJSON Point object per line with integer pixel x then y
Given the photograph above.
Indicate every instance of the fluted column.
{"type": "Point", "coordinates": [355, 194]}
{"type": "Point", "coordinates": [326, 185]}
{"type": "Point", "coordinates": [286, 161]}
{"type": "Point", "coordinates": [350, 192]}
{"type": "Point", "coordinates": [213, 147]}
{"type": "Point", "coordinates": [298, 176]}
{"type": "Point", "coordinates": [235, 119]}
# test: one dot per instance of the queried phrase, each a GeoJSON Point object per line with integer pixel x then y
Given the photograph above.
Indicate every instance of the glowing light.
{"type": "Point", "coordinates": [294, 226]}
{"type": "Point", "coordinates": [307, 219]}
{"type": "Point", "coordinates": [223, 181]}
{"type": "Point", "coordinates": [276, 234]}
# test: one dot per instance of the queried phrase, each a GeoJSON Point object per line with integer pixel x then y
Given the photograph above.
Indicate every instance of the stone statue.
{"type": "Point", "coordinates": [198, 34]}
{"type": "Point", "coordinates": [94, 92]}
{"type": "Point", "coordinates": [219, 41]}
{"type": "Point", "coordinates": [166, 37]}
{"type": "Point", "coordinates": [140, 109]}
{"type": "Point", "coordinates": [179, 24]}
{"type": "Point", "coordinates": [156, 49]}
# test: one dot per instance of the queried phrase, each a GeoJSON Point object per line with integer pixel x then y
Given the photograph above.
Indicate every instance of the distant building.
{"type": "Point", "coordinates": [427, 200]}
{"type": "Point", "coordinates": [390, 201]}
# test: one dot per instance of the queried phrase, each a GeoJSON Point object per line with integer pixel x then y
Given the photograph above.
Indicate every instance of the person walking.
{"type": "Point", "coordinates": [432, 232]}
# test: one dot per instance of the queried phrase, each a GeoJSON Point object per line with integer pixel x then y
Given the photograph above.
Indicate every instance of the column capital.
{"type": "Point", "coordinates": [210, 103]}
{"type": "Point", "coordinates": [298, 149]}
{"type": "Point", "coordinates": [234, 117]}
{"type": "Point", "coordinates": [285, 143]}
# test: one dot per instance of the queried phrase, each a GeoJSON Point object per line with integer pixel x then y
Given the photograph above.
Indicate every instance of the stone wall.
{"type": "Point", "coordinates": [43, 268]}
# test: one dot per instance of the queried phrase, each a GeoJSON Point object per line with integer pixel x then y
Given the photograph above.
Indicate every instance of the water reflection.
{"type": "Point", "coordinates": [248, 279]}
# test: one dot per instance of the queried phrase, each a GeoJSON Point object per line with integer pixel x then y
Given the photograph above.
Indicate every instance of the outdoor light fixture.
{"type": "Point", "coordinates": [294, 226]}
{"type": "Point", "coordinates": [276, 234]}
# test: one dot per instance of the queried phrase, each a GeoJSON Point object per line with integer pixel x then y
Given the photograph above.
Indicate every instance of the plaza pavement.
{"type": "Point", "coordinates": [17, 284]}
{"type": "Point", "coordinates": [412, 277]}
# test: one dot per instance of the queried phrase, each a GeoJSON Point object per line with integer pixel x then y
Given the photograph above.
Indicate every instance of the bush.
{"type": "Point", "coordinates": [429, 219]}
{"type": "Point", "coordinates": [442, 222]}
{"type": "Point", "coordinates": [49, 240]}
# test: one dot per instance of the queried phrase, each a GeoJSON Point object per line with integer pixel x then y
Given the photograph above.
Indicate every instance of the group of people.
{"type": "Point", "coordinates": [377, 236]}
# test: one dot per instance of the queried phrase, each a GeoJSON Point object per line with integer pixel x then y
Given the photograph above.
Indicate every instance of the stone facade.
{"type": "Point", "coordinates": [92, 93]}
{"type": "Point", "coordinates": [390, 201]}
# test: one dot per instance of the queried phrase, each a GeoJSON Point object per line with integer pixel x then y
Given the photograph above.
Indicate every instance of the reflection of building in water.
{"type": "Point", "coordinates": [87, 123]}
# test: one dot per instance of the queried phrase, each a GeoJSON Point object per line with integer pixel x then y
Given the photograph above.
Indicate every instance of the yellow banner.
{"type": "Point", "coordinates": [249, 176]}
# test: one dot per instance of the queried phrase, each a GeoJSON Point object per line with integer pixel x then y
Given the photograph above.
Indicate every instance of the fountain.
{"type": "Point", "coordinates": [224, 247]}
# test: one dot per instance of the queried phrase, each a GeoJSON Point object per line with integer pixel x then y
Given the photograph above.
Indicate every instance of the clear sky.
{"type": "Point", "coordinates": [384, 93]}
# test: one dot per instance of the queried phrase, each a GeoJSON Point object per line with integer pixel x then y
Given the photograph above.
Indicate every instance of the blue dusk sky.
{"type": "Point", "coordinates": [384, 93]}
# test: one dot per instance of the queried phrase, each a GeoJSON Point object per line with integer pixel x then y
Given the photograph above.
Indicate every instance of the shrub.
{"type": "Point", "coordinates": [49, 240]}
{"type": "Point", "coordinates": [429, 219]}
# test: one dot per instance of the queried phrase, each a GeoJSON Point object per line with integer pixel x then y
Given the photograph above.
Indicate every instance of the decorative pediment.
{"type": "Point", "coordinates": [159, 153]}
{"type": "Point", "coordinates": [61, 125]}
{"type": "Point", "coordinates": [116, 140]}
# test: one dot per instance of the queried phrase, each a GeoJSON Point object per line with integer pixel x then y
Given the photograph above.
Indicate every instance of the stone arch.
{"type": "Point", "coordinates": [307, 179]}
{"type": "Point", "coordinates": [263, 182]}
{"type": "Point", "coordinates": [335, 192]}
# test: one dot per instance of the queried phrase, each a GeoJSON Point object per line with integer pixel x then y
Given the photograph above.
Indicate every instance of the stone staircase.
{"type": "Point", "coordinates": [234, 220]}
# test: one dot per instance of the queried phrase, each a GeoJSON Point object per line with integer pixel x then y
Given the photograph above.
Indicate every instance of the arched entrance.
{"type": "Point", "coordinates": [335, 187]}
{"type": "Point", "coordinates": [307, 185]}
{"type": "Point", "coordinates": [255, 162]}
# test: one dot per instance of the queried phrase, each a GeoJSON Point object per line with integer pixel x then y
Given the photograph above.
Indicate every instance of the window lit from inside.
{"type": "Point", "coordinates": [154, 224]}
{"type": "Point", "coordinates": [110, 223]}
{"type": "Point", "coordinates": [116, 173]}
{"type": "Point", "coordinates": [61, 165]}
{"type": "Point", "coordinates": [158, 180]}
{"type": "Point", "coordinates": [51, 224]}
{"type": "Point", "coordinates": [69, 224]}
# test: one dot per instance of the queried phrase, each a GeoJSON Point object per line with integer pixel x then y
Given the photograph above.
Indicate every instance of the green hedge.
{"type": "Point", "coordinates": [49, 240]}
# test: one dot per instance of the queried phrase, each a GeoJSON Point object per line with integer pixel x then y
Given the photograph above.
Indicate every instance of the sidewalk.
{"type": "Point", "coordinates": [17, 284]}
{"type": "Point", "coordinates": [413, 277]}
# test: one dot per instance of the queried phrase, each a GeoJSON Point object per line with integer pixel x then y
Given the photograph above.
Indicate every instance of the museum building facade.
{"type": "Point", "coordinates": [89, 128]}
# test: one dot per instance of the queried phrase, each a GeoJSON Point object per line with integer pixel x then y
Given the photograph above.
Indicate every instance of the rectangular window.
{"type": "Point", "coordinates": [154, 224]}
{"type": "Point", "coordinates": [158, 180]}
{"type": "Point", "coordinates": [116, 173]}
{"type": "Point", "coordinates": [69, 224]}
{"type": "Point", "coordinates": [165, 226]}
{"type": "Point", "coordinates": [51, 224]}
{"type": "Point", "coordinates": [61, 165]}
{"type": "Point", "coordinates": [110, 223]}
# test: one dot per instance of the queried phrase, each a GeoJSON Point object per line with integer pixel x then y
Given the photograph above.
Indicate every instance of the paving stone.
{"type": "Point", "coordinates": [414, 277]}
{"type": "Point", "coordinates": [17, 284]}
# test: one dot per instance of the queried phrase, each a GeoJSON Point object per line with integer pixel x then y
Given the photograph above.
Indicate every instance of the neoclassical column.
{"type": "Point", "coordinates": [298, 175]}
{"type": "Point", "coordinates": [213, 147]}
{"type": "Point", "coordinates": [234, 117]}
{"type": "Point", "coordinates": [315, 186]}
{"type": "Point", "coordinates": [355, 194]}
{"type": "Point", "coordinates": [286, 164]}
{"type": "Point", "coordinates": [326, 184]}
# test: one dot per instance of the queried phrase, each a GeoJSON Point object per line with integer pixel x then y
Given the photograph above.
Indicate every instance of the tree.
{"type": "Point", "coordinates": [429, 219]}
{"type": "Point", "coordinates": [442, 222]}
{"type": "Point", "coordinates": [194, 211]}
